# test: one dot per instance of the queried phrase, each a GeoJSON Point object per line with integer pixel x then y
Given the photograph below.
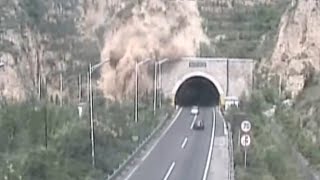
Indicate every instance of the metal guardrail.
{"type": "Point", "coordinates": [122, 165]}
{"type": "Point", "coordinates": [230, 147]}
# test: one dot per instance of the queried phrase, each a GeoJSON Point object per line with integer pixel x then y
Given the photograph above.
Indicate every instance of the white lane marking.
{"type": "Point", "coordinates": [194, 120]}
{"type": "Point", "coordinates": [184, 142]}
{"type": "Point", "coordinates": [155, 144]}
{"type": "Point", "coordinates": [169, 171]}
{"type": "Point", "coordinates": [206, 170]}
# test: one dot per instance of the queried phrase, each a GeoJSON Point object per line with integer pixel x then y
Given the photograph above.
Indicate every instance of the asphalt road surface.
{"type": "Point", "coordinates": [181, 153]}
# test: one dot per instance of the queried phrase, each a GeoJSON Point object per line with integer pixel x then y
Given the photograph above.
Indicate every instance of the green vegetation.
{"type": "Point", "coordinates": [242, 31]}
{"type": "Point", "coordinates": [44, 141]}
{"type": "Point", "coordinates": [278, 137]}
{"type": "Point", "coordinates": [251, 32]}
{"type": "Point", "coordinates": [301, 122]}
{"type": "Point", "coordinates": [41, 140]}
{"type": "Point", "coordinates": [270, 156]}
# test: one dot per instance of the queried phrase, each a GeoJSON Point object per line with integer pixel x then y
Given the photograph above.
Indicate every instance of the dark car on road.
{"type": "Point", "coordinates": [198, 125]}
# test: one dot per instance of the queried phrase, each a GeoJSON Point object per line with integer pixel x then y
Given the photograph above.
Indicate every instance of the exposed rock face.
{"type": "Point", "coordinates": [10, 84]}
{"type": "Point", "coordinates": [297, 51]}
{"type": "Point", "coordinates": [41, 39]}
{"type": "Point", "coordinates": [64, 36]}
{"type": "Point", "coordinates": [45, 39]}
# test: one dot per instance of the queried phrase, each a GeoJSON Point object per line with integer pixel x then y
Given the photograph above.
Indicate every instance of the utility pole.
{"type": "Point", "coordinates": [137, 88]}
{"type": "Point", "coordinates": [80, 88]}
{"type": "Point", "coordinates": [136, 94]}
{"type": "Point", "coordinates": [45, 126]}
{"type": "Point", "coordinates": [252, 78]}
{"type": "Point", "coordinates": [88, 85]}
{"type": "Point", "coordinates": [38, 75]}
{"type": "Point", "coordinates": [46, 116]}
{"type": "Point", "coordinates": [155, 88]}
{"type": "Point", "coordinates": [61, 89]}
{"type": "Point", "coordinates": [280, 85]}
{"type": "Point", "coordinates": [227, 93]}
{"type": "Point", "coordinates": [39, 86]}
{"type": "Point", "coordinates": [160, 79]}
{"type": "Point", "coordinates": [160, 85]}
{"type": "Point", "coordinates": [91, 117]}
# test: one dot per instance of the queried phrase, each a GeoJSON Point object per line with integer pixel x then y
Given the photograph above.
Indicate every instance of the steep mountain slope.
{"type": "Point", "coordinates": [46, 39]}
{"type": "Point", "coordinates": [40, 39]}
{"type": "Point", "coordinates": [43, 40]}
{"type": "Point", "coordinates": [297, 51]}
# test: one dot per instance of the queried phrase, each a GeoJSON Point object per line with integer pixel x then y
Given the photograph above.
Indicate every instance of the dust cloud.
{"type": "Point", "coordinates": [156, 28]}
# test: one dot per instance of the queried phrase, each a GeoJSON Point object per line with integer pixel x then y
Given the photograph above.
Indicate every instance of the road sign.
{"type": "Point", "coordinates": [245, 140]}
{"type": "Point", "coordinates": [245, 126]}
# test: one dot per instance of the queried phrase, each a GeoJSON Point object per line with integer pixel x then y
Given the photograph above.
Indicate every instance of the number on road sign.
{"type": "Point", "coordinates": [245, 140]}
{"type": "Point", "coordinates": [245, 126]}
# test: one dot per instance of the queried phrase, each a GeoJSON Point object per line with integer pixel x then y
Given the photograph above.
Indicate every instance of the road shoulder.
{"type": "Point", "coordinates": [219, 165]}
{"type": "Point", "coordinates": [220, 159]}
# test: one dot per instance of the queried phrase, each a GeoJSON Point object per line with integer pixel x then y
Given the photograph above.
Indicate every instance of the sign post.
{"type": "Point", "coordinates": [245, 158]}
{"type": "Point", "coordinates": [245, 142]}
{"type": "Point", "coordinates": [245, 138]}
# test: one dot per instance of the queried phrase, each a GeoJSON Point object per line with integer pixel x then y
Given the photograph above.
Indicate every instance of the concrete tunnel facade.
{"type": "Point", "coordinates": [197, 88]}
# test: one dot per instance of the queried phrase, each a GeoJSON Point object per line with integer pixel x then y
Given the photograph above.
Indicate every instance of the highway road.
{"type": "Point", "coordinates": [181, 152]}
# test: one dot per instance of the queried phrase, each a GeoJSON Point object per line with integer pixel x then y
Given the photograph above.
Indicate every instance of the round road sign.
{"type": "Point", "coordinates": [245, 126]}
{"type": "Point", "coordinates": [245, 140]}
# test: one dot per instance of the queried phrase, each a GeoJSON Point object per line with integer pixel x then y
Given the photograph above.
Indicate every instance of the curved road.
{"type": "Point", "coordinates": [181, 153]}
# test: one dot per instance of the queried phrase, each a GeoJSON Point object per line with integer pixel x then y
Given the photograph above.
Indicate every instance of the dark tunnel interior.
{"type": "Point", "coordinates": [197, 91]}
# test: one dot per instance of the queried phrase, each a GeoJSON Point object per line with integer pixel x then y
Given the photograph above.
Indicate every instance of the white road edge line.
{"type": "Point", "coordinates": [206, 170]}
{"type": "Point", "coordinates": [155, 144]}
{"type": "Point", "coordinates": [225, 128]}
{"type": "Point", "coordinates": [169, 171]}
{"type": "Point", "coordinates": [194, 120]}
{"type": "Point", "coordinates": [184, 142]}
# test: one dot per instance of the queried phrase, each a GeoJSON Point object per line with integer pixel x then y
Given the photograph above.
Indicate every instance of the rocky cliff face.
{"type": "Point", "coordinates": [43, 41]}
{"type": "Point", "coordinates": [297, 52]}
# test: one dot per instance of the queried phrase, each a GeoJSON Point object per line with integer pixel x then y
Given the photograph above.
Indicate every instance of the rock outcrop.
{"type": "Point", "coordinates": [297, 52]}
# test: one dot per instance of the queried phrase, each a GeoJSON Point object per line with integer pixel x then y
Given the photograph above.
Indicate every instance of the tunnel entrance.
{"type": "Point", "coordinates": [197, 90]}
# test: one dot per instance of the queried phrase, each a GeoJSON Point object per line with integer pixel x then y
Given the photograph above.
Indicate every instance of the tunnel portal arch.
{"type": "Point", "coordinates": [197, 74]}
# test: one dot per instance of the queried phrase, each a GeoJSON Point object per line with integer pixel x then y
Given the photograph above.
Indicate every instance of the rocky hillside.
{"type": "Point", "coordinates": [43, 41]}
{"type": "Point", "coordinates": [297, 52]}
{"type": "Point", "coordinates": [241, 29]}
